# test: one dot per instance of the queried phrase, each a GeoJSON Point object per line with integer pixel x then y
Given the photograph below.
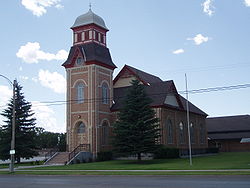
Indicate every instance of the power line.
{"type": "Point", "coordinates": [91, 100]}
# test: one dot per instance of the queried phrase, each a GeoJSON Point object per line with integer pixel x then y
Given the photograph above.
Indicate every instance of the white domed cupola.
{"type": "Point", "coordinates": [89, 18]}
{"type": "Point", "coordinates": [89, 27]}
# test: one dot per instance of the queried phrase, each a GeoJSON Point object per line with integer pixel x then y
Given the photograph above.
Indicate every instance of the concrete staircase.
{"type": "Point", "coordinates": [60, 158]}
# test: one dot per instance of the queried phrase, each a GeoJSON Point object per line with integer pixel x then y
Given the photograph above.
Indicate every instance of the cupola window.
{"type": "Point", "coordinates": [99, 37]}
{"type": "Point", "coordinates": [96, 35]}
{"type": "Point", "coordinates": [90, 34]}
{"type": "Point", "coordinates": [75, 37]}
{"type": "Point", "coordinates": [83, 36]}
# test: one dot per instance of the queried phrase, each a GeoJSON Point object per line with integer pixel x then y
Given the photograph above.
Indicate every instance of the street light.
{"type": "Point", "coordinates": [12, 147]}
{"type": "Point", "coordinates": [188, 126]}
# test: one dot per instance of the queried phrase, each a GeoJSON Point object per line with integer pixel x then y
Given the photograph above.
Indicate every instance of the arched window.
{"type": "Point", "coordinates": [181, 133]}
{"type": "Point", "coordinates": [169, 127]}
{"type": "Point", "coordinates": [80, 93]}
{"type": "Point", "coordinates": [192, 133]}
{"type": "Point", "coordinates": [202, 134]}
{"type": "Point", "coordinates": [105, 93]}
{"type": "Point", "coordinates": [80, 128]}
{"type": "Point", "coordinates": [105, 133]}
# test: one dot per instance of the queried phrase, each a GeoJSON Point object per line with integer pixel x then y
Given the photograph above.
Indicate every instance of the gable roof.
{"type": "Point", "coordinates": [228, 123]}
{"type": "Point", "coordinates": [228, 127]}
{"type": "Point", "coordinates": [157, 92]}
{"type": "Point", "coordinates": [142, 76]}
{"type": "Point", "coordinates": [92, 52]}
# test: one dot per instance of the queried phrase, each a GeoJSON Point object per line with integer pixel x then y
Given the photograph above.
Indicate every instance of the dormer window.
{"type": "Point", "coordinates": [79, 61]}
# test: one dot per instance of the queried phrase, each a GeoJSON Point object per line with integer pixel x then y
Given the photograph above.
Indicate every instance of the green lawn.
{"type": "Point", "coordinates": [22, 164]}
{"type": "Point", "coordinates": [239, 160]}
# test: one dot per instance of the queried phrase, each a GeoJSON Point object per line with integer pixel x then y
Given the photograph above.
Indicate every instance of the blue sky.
{"type": "Point", "coordinates": [207, 39]}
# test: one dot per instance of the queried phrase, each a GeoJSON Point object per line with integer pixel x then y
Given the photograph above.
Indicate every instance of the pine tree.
{"type": "Point", "coordinates": [24, 129]}
{"type": "Point", "coordinates": [136, 130]}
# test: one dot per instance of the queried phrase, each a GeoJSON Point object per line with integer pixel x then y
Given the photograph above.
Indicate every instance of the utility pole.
{"type": "Point", "coordinates": [12, 149]}
{"type": "Point", "coordinates": [189, 137]}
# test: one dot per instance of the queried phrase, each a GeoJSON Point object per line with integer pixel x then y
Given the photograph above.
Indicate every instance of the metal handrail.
{"type": "Point", "coordinates": [51, 153]}
{"type": "Point", "coordinates": [81, 147]}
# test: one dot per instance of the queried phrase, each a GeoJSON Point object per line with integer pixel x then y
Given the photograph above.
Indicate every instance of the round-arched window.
{"type": "Point", "coordinates": [105, 93]}
{"type": "Point", "coordinates": [80, 128]}
{"type": "Point", "coordinates": [169, 128]}
{"type": "Point", "coordinates": [80, 93]}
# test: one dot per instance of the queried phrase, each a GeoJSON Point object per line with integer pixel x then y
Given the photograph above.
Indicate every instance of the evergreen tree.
{"type": "Point", "coordinates": [136, 130]}
{"type": "Point", "coordinates": [24, 128]}
{"type": "Point", "coordinates": [46, 139]}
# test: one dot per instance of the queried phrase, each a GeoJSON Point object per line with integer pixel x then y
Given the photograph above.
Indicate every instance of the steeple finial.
{"type": "Point", "coordinates": [90, 5]}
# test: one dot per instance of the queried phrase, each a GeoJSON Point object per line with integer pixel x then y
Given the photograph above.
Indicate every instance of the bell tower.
{"type": "Point", "coordinates": [89, 74]}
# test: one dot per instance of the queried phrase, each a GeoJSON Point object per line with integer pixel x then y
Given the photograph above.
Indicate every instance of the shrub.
{"type": "Point", "coordinates": [104, 156]}
{"type": "Point", "coordinates": [212, 150]}
{"type": "Point", "coordinates": [164, 152]}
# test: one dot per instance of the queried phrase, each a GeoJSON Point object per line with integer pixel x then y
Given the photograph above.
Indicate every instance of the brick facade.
{"type": "Point", "coordinates": [89, 70]}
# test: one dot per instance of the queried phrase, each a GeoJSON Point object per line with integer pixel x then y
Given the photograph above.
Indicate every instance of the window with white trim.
{"type": "Point", "coordinates": [181, 133]}
{"type": "Point", "coordinates": [80, 93]}
{"type": "Point", "coordinates": [202, 134]}
{"type": "Point", "coordinates": [80, 128]}
{"type": "Point", "coordinates": [192, 133]}
{"type": "Point", "coordinates": [105, 93]}
{"type": "Point", "coordinates": [83, 36]}
{"type": "Point", "coordinates": [169, 127]}
{"type": "Point", "coordinates": [75, 37]}
{"type": "Point", "coordinates": [90, 34]}
{"type": "Point", "coordinates": [105, 133]}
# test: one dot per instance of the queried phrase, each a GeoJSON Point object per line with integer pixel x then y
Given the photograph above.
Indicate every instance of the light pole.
{"type": "Point", "coordinates": [188, 126]}
{"type": "Point", "coordinates": [12, 147]}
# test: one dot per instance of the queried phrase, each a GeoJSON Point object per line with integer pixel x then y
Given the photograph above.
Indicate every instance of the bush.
{"type": "Point", "coordinates": [166, 153]}
{"type": "Point", "coordinates": [212, 150]}
{"type": "Point", "coordinates": [104, 156]}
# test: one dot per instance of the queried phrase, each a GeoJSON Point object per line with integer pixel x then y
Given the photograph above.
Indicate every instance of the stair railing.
{"type": "Point", "coordinates": [49, 154]}
{"type": "Point", "coordinates": [81, 147]}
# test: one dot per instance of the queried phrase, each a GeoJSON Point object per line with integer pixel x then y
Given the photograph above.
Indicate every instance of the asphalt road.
{"type": "Point", "coordinates": [24, 181]}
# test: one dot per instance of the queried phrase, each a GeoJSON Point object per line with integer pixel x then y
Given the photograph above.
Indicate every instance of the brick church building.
{"type": "Point", "coordinates": [95, 96]}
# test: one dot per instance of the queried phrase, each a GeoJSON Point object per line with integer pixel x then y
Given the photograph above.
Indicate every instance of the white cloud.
{"type": "Point", "coordinates": [45, 117]}
{"type": "Point", "coordinates": [199, 39]}
{"type": "Point", "coordinates": [208, 8]}
{"type": "Point", "coordinates": [52, 80]}
{"type": "Point", "coordinates": [24, 77]}
{"type": "Point", "coordinates": [31, 53]}
{"type": "Point", "coordinates": [179, 51]}
{"type": "Point", "coordinates": [5, 96]}
{"type": "Point", "coordinates": [38, 7]}
{"type": "Point", "coordinates": [247, 3]}
{"type": "Point", "coordinates": [34, 79]}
